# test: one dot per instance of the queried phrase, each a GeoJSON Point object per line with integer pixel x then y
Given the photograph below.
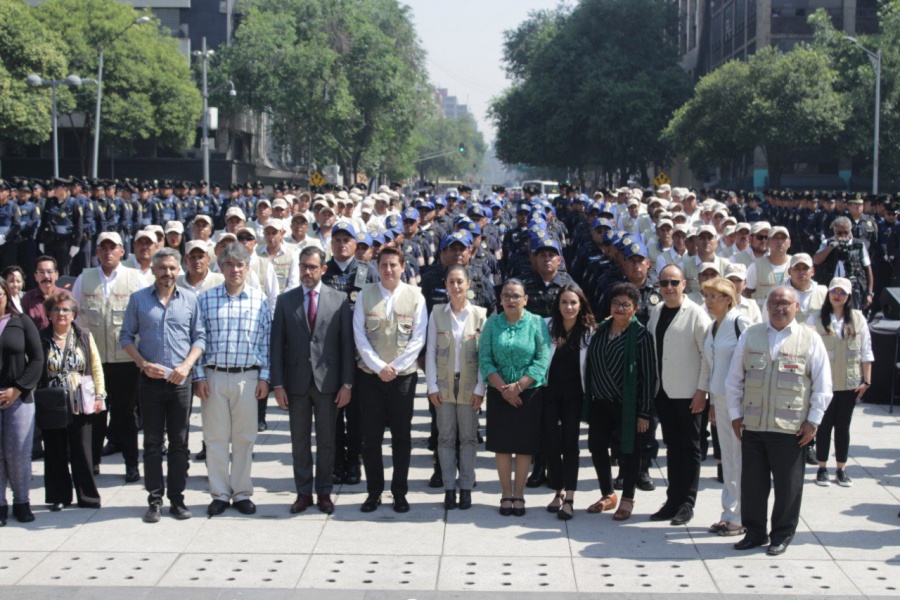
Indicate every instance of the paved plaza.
{"type": "Point", "coordinates": [848, 542]}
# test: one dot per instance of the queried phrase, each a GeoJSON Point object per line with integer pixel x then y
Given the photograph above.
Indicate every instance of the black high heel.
{"type": "Point", "coordinates": [506, 510]}
{"type": "Point", "coordinates": [563, 515]}
{"type": "Point", "coordinates": [519, 512]}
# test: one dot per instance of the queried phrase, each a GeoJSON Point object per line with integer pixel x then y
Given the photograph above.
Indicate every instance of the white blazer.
{"type": "Point", "coordinates": [717, 352]}
{"type": "Point", "coordinates": [582, 355]}
{"type": "Point", "coordinates": [682, 370]}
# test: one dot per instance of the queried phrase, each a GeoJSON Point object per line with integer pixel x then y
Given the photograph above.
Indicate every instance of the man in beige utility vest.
{"type": "Point", "coordinates": [778, 388]}
{"type": "Point", "coordinates": [771, 271]}
{"type": "Point", "coordinates": [283, 258]}
{"type": "Point", "coordinates": [706, 242]}
{"type": "Point", "coordinates": [103, 293]}
{"type": "Point", "coordinates": [389, 326]}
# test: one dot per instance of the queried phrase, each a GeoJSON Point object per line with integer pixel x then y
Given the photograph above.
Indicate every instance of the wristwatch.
{"type": "Point", "coordinates": [866, 383]}
{"type": "Point", "coordinates": [349, 386]}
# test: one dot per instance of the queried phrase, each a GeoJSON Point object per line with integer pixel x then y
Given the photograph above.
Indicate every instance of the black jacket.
{"type": "Point", "coordinates": [21, 357]}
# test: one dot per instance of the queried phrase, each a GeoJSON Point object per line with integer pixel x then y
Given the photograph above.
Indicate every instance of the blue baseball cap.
{"type": "Point", "coordinates": [457, 237]}
{"type": "Point", "coordinates": [471, 226]}
{"type": "Point", "coordinates": [378, 238]}
{"type": "Point", "coordinates": [393, 222]}
{"type": "Point", "coordinates": [524, 207]}
{"type": "Point", "coordinates": [636, 248]}
{"type": "Point", "coordinates": [496, 204]}
{"type": "Point", "coordinates": [410, 214]}
{"type": "Point", "coordinates": [476, 211]}
{"type": "Point", "coordinates": [439, 201]}
{"type": "Point", "coordinates": [544, 243]}
{"type": "Point", "coordinates": [424, 206]}
{"type": "Point", "coordinates": [535, 226]}
{"type": "Point", "coordinates": [389, 234]}
{"type": "Point", "coordinates": [345, 227]}
{"type": "Point", "coordinates": [601, 222]}
{"type": "Point", "coordinates": [608, 237]}
{"type": "Point", "coordinates": [452, 194]}
{"type": "Point", "coordinates": [363, 237]}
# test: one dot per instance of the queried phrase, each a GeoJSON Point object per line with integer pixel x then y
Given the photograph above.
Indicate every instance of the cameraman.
{"type": "Point", "coordinates": [844, 256]}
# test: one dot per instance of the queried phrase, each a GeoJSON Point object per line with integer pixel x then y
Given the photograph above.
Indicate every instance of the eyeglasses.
{"type": "Point", "coordinates": [62, 310]}
{"type": "Point", "coordinates": [48, 272]}
{"type": "Point", "coordinates": [761, 238]}
{"type": "Point", "coordinates": [669, 282]}
{"type": "Point", "coordinates": [779, 305]}
{"type": "Point", "coordinates": [622, 305]}
{"type": "Point", "coordinates": [245, 238]}
{"type": "Point", "coordinates": [713, 297]}
{"type": "Point", "coordinates": [838, 291]}
{"type": "Point", "coordinates": [512, 297]}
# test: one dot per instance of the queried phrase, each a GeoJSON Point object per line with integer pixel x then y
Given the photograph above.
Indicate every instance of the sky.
{"type": "Point", "coordinates": [463, 40]}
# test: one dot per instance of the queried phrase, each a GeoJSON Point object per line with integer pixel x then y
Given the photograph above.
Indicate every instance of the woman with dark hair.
{"type": "Point", "coordinates": [15, 281]}
{"type": "Point", "coordinates": [620, 384]}
{"type": "Point", "coordinates": [849, 344]}
{"type": "Point", "coordinates": [513, 355]}
{"type": "Point", "coordinates": [70, 355]}
{"type": "Point", "coordinates": [21, 362]}
{"type": "Point", "coordinates": [571, 325]}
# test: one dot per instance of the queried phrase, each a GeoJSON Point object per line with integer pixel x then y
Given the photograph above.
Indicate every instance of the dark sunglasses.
{"type": "Point", "coordinates": [761, 237]}
{"type": "Point", "coordinates": [245, 238]}
{"type": "Point", "coordinates": [669, 282]}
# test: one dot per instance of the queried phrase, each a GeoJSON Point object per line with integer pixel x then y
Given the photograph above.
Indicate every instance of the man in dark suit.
{"type": "Point", "coordinates": [313, 364]}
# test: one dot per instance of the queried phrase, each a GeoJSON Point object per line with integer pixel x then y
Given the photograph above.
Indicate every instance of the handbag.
{"type": "Point", "coordinates": [53, 405]}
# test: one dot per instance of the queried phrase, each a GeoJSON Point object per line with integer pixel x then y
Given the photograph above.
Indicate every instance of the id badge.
{"type": "Point", "coordinates": [362, 274]}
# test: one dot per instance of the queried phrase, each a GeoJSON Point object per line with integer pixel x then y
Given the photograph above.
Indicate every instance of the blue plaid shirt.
{"type": "Point", "coordinates": [237, 330]}
{"type": "Point", "coordinates": [164, 335]}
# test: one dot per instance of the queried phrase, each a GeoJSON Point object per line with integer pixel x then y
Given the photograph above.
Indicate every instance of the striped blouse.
{"type": "Point", "coordinates": [606, 369]}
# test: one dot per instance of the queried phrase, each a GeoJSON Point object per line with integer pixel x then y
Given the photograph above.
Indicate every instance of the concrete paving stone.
{"type": "Point", "coordinates": [389, 534]}
{"type": "Point", "coordinates": [99, 569]}
{"type": "Point", "coordinates": [598, 536]}
{"type": "Point", "coordinates": [506, 574]}
{"type": "Point", "coordinates": [169, 535]}
{"type": "Point", "coordinates": [626, 575]}
{"type": "Point", "coordinates": [483, 530]}
{"type": "Point", "coordinates": [253, 535]}
{"type": "Point", "coordinates": [806, 546]}
{"type": "Point", "coordinates": [873, 578]}
{"type": "Point", "coordinates": [236, 570]}
{"type": "Point", "coordinates": [38, 535]}
{"type": "Point", "coordinates": [15, 565]}
{"type": "Point", "coordinates": [784, 576]}
{"type": "Point", "coordinates": [370, 572]}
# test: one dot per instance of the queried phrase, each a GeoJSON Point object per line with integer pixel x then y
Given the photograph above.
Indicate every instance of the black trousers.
{"type": "Point", "coordinates": [604, 427]}
{"type": "Point", "coordinates": [768, 457]}
{"type": "Point", "coordinates": [837, 418]}
{"type": "Point", "coordinates": [386, 405]}
{"type": "Point", "coordinates": [681, 434]}
{"type": "Point", "coordinates": [348, 432]}
{"type": "Point", "coordinates": [64, 447]}
{"type": "Point", "coordinates": [560, 429]}
{"type": "Point", "coordinates": [166, 409]}
{"type": "Point", "coordinates": [60, 251]}
{"type": "Point", "coordinates": [121, 400]}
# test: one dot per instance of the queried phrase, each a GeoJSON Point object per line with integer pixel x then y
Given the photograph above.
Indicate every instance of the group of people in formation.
{"type": "Point", "coordinates": [625, 311]}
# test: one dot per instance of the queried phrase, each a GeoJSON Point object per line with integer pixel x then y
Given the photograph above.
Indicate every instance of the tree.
{"type": "Point", "coordinates": [148, 92]}
{"type": "Point", "coordinates": [781, 103]}
{"type": "Point", "coordinates": [443, 138]}
{"type": "Point", "coordinates": [591, 87]}
{"type": "Point", "coordinates": [26, 47]}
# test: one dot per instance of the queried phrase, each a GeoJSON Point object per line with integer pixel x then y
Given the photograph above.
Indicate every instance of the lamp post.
{"type": "Point", "coordinates": [73, 80]}
{"type": "Point", "coordinates": [94, 165]}
{"type": "Point", "coordinates": [875, 58]}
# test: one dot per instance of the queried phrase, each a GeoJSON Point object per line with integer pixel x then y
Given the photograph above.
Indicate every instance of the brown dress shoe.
{"type": "Point", "coordinates": [303, 502]}
{"type": "Point", "coordinates": [604, 504]}
{"type": "Point", "coordinates": [325, 504]}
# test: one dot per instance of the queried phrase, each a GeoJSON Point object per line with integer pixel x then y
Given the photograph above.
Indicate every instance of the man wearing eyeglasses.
{"type": "Point", "coordinates": [778, 388]}
{"type": "Point", "coordinates": [759, 244]}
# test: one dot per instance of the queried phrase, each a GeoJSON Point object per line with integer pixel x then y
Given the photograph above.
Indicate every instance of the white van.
{"type": "Point", "coordinates": [549, 189]}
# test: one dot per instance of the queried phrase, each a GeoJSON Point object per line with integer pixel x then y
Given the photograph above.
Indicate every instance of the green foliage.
{"type": "Point", "coordinates": [443, 137]}
{"type": "Point", "coordinates": [593, 86]}
{"type": "Point", "coordinates": [26, 47]}
{"type": "Point", "coordinates": [343, 78]}
{"type": "Point", "coordinates": [780, 102]}
{"type": "Point", "coordinates": [148, 91]}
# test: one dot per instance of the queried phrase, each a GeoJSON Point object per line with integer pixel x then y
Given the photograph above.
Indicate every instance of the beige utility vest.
{"type": "Point", "coordinates": [445, 356]}
{"type": "Point", "coordinates": [281, 262]}
{"type": "Point", "coordinates": [845, 355]}
{"type": "Point", "coordinates": [105, 315]}
{"type": "Point", "coordinates": [776, 392]}
{"type": "Point", "coordinates": [815, 305]}
{"type": "Point", "coordinates": [692, 271]}
{"type": "Point", "coordinates": [389, 336]}
{"type": "Point", "coordinates": [261, 267]}
{"type": "Point", "coordinates": [767, 280]}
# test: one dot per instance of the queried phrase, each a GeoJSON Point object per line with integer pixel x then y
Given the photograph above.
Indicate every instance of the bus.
{"type": "Point", "coordinates": [549, 189]}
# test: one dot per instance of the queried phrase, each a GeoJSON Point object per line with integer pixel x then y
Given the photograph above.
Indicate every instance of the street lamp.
{"type": "Point", "coordinates": [73, 80]}
{"type": "Point", "coordinates": [875, 58]}
{"type": "Point", "coordinates": [205, 55]}
{"type": "Point", "coordinates": [138, 21]}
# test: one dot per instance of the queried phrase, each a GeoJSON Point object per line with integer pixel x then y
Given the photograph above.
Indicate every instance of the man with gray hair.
{"type": "Point", "coordinates": [163, 334]}
{"type": "Point", "coordinates": [845, 256]}
{"type": "Point", "coordinates": [230, 377]}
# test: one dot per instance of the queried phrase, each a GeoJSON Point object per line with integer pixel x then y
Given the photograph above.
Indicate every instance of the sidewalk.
{"type": "Point", "coordinates": [848, 542]}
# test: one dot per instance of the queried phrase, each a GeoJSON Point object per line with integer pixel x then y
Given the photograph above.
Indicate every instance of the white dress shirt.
{"type": "Point", "coordinates": [407, 358]}
{"type": "Point", "coordinates": [457, 327]}
{"type": "Point", "coordinates": [306, 291]}
{"type": "Point", "coordinates": [817, 365]}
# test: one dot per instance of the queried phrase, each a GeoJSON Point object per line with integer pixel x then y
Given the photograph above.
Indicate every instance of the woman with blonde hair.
{"type": "Point", "coordinates": [722, 303]}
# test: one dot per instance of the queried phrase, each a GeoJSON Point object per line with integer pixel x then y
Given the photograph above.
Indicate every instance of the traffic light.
{"type": "Point", "coordinates": [462, 148]}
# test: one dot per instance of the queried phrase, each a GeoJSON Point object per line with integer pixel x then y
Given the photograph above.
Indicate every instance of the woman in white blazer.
{"type": "Point", "coordinates": [729, 323]}
{"type": "Point", "coordinates": [678, 326]}
{"type": "Point", "coordinates": [571, 325]}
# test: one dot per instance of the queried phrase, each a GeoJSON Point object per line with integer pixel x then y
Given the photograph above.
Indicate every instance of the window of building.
{"type": "Point", "coordinates": [693, 17]}
{"type": "Point", "coordinates": [715, 48]}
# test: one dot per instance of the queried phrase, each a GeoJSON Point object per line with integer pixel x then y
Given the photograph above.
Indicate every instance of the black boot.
{"type": "Point", "coordinates": [437, 477]}
{"type": "Point", "coordinates": [450, 499]}
{"type": "Point", "coordinates": [619, 481]}
{"type": "Point", "coordinates": [538, 473]}
{"type": "Point", "coordinates": [22, 512]}
{"type": "Point", "coordinates": [645, 482]}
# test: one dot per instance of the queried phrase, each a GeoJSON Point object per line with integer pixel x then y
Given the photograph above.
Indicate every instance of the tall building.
{"type": "Point", "coordinates": [450, 106]}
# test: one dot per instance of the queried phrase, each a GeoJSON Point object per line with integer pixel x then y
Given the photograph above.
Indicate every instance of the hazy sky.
{"type": "Point", "coordinates": [463, 39]}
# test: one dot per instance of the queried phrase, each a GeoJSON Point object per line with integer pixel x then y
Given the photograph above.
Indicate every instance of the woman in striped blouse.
{"type": "Point", "coordinates": [620, 383]}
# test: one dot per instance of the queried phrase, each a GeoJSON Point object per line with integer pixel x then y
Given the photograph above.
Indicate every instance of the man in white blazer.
{"type": "Point", "coordinates": [679, 327]}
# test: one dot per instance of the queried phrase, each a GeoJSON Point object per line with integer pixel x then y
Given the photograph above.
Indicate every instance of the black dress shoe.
{"type": "Point", "coordinates": [506, 511]}
{"type": "Point", "coordinates": [180, 511]}
{"type": "Point", "coordinates": [245, 506]}
{"type": "Point", "coordinates": [645, 482]}
{"type": "Point", "coordinates": [216, 507]}
{"type": "Point", "coordinates": [465, 499]}
{"type": "Point", "coordinates": [778, 548]}
{"type": "Point", "coordinates": [22, 512]}
{"type": "Point", "coordinates": [518, 511]}
{"type": "Point", "coordinates": [536, 479]}
{"type": "Point", "coordinates": [749, 543]}
{"type": "Point", "coordinates": [618, 482]}
{"type": "Point", "coordinates": [132, 474]}
{"type": "Point", "coordinates": [437, 478]}
{"type": "Point", "coordinates": [337, 474]}
{"type": "Point", "coordinates": [202, 454]}
{"type": "Point", "coordinates": [353, 475]}
{"type": "Point", "coordinates": [719, 476]}
{"type": "Point", "coordinates": [683, 516]}
{"type": "Point", "coordinates": [110, 449]}
{"type": "Point", "coordinates": [400, 504]}
{"type": "Point", "coordinates": [152, 514]}
{"type": "Point", "coordinates": [373, 501]}
{"type": "Point", "coordinates": [261, 426]}
{"type": "Point", "coordinates": [665, 513]}
{"type": "Point", "coordinates": [450, 499]}
{"type": "Point", "coordinates": [56, 507]}
{"type": "Point", "coordinates": [96, 470]}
